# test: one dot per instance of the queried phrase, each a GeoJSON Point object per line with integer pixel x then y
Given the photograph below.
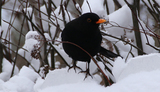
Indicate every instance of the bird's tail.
{"type": "Point", "coordinates": [108, 53]}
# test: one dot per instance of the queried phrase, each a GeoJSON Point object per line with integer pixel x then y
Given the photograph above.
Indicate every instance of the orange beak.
{"type": "Point", "coordinates": [100, 21]}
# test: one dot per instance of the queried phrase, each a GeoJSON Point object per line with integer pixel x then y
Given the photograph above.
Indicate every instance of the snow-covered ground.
{"type": "Point", "coordinates": [140, 74]}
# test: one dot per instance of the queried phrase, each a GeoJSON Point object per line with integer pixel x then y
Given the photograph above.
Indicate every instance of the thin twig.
{"type": "Point", "coordinates": [123, 41]}
{"type": "Point", "coordinates": [89, 6]}
{"type": "Point", "coordinates": [17, 47]}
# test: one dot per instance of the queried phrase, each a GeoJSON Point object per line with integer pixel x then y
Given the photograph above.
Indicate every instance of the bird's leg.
{"type": "Point", "coordinates": [74, 66]}
{"type": "Point", "coordinates": [87, 71]}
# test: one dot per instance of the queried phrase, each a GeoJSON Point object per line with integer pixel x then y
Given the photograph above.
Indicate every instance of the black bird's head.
{"type": "Point", "coordinates": [91, 19]}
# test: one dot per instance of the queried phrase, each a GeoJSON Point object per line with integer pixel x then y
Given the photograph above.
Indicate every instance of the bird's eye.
{"type": "Point", "coordinates": [89, 20]}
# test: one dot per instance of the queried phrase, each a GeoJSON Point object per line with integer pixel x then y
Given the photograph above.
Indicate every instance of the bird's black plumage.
{"type": "Point", "coordinates": [84, 31]}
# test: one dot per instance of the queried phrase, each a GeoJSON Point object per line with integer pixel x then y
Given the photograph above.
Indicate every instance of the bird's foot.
{"type": "Point", "coordinates": [74, 67]}
{"type": "Point", "coordinates": [87, 73]}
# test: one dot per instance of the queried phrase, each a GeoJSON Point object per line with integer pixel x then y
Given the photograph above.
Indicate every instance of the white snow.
{"type": "Point", "coordinates": [139, 82]}
{"type": "Point", "coordinates": [140, 64]}
{"type": "Point", "coordinates": [7, 69]}
{"type": "Point", "coordinates": [139, 74]}
{"type": "Point", "coordinates": [28, 73]}
{"type": "Point", "coordinates": [32, 35]}
{"type": "Point", "coordinates": [63, 76]}
{"type": "Point", "coordinates": [118, 67]}
{"type": "Point", "coordinates": [122, 17]}
{"type": "Point", "coordinates": [23, 82]}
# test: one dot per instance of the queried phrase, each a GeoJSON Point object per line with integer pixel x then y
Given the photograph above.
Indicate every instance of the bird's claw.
{"type": "Point", "coordinates": [74, 67]}
{"type": "Point", "coordinates": [87, 73]}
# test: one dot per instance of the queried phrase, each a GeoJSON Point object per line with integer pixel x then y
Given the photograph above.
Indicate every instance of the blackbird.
{"type": "Point", "coordinates": [84, 32]}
